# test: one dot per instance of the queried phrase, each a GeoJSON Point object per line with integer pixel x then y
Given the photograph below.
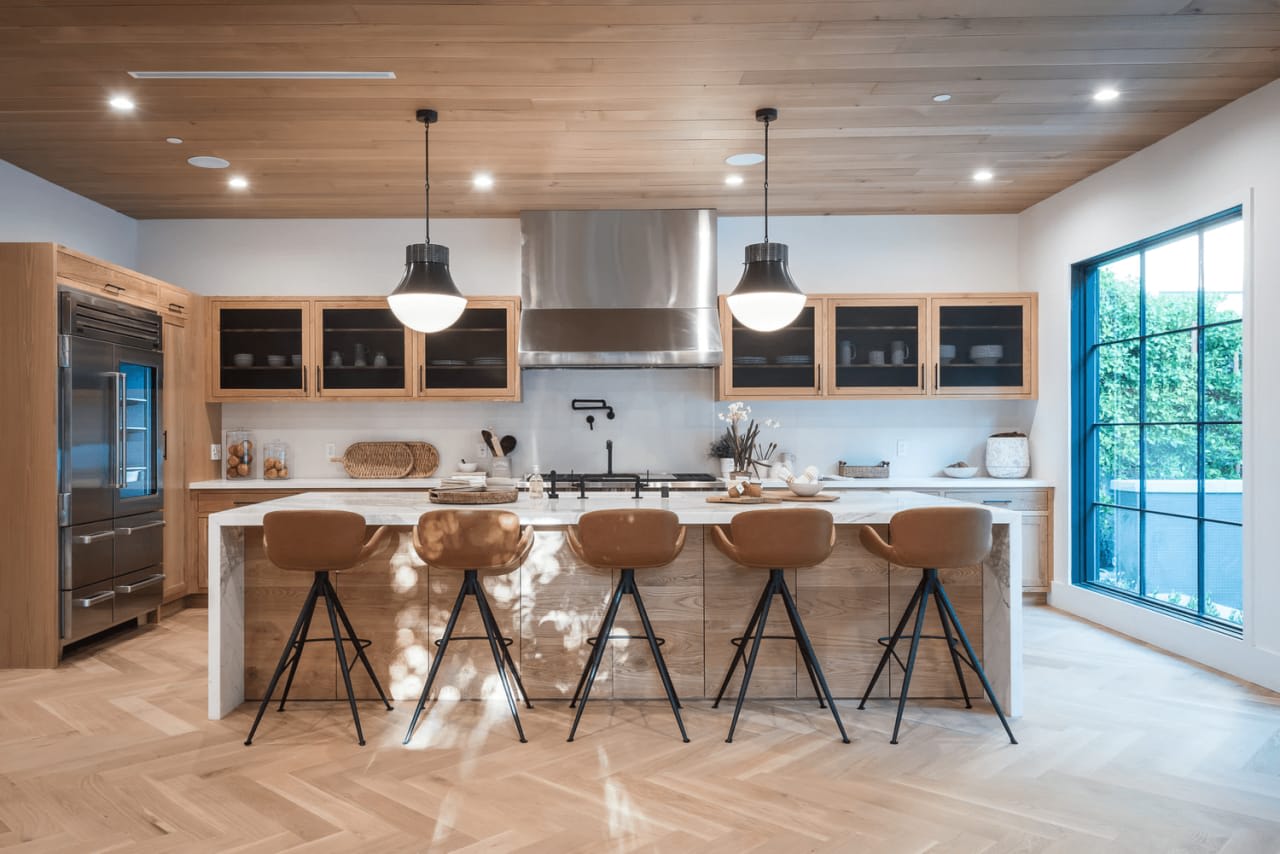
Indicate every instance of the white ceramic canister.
{"type": "Point", "coordinates": [1008, 456]}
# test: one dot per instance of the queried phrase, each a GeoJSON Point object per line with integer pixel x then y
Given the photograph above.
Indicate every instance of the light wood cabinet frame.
{"type": "Point", "coordinates": [317, 358]}
{"type": "Point", "coordinates": [217, 392]}
{"type": "Point", "coordinates": [922, 355]}
{"type": "Point", "coordinates": [509, 393]}
{"type": "Point", "coordinates": [725, 380]}
{"type": "Point", "coordinates": [1030, 343]}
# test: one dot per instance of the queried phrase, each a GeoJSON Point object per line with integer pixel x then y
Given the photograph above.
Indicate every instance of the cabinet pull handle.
{"type": "Point", "coordinates": [177, 308]}
{"type": "Point", "coordinates": [139, 585]}
{"type": "Point", "coordinates": [922, 376]}
{"type": "Point", "coordinates": [114, 288]}
{"type": "Point", "coordinates": [319, 386]}
{"type": "Point", "coordinates": [422, 378]}
{"type": "Point", "coordinates": [304, 380]}
{"type": "Point", "coordinates": [242, 503]}
{"type": "Point", "coordinates": [937, 377]}
{"type": "Point", "coordinates": [90, 601]}
{"type": "Point", "coordinates": [88, 539]}
{"type": "Point", "coordinates": [997, 501]}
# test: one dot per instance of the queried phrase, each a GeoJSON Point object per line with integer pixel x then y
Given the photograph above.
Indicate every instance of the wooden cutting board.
{"type": "Point", "coordinates": [742, 499]}
{"type": "Point", "coordinates": [788, 495]}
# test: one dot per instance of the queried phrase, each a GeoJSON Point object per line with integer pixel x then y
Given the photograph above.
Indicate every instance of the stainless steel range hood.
{"type": "Point", "coordinates": [619, 289]}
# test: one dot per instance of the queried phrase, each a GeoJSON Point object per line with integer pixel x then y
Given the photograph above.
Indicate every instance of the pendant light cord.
{"type": "Point", "coordinates": [426, 177]}
{"type": "Point", "coordinates": [766, 181]}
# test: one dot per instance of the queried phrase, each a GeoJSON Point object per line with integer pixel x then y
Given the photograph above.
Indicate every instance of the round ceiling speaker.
{"type": "Point", "coordinates": [204, 161]}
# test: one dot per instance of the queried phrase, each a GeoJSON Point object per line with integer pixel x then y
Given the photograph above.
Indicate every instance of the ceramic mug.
{"type": "Point", "coordinates": [899, 352]}
{"type": "Point", "coordinates": [875, 357]}
{"type": "Point", "coordinates": [848, 352]}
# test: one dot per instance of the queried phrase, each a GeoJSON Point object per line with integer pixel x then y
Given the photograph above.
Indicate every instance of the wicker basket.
{"type": "Point", "coordinates": [881, 470]}
{"type": "Point", "coordinates": [378, 459]}
{"type": "Point", "coordinates": [462, 496]}
{"type": "Point", "coordinates": [426, 459]}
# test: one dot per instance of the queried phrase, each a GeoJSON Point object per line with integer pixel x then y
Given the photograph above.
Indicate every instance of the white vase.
{"type": "Point", "coordinates": [726, 466]}
{"type": "Point", "coordinates": [1008, 456]}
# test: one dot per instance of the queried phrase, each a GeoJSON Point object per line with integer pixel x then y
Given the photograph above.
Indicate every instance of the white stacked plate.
{"type": "Point", "coordinates": [489, 360]}
{"type": "Point", "coordinates": [750, 360]}
{"type": "Point", "coordinates": [797, 359]}
{"type": "Point", "coordinates": [986, 354]}
{"type": "Point", "coordinates": [946, 353]}
{"type": "Point", "coordinates": [446, 363]}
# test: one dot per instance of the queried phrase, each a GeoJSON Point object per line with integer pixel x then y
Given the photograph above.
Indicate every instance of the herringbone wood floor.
{"type": "Point", "coordinates": [1123, 749]}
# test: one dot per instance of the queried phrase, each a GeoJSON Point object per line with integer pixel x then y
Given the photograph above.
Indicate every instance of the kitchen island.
{"type": "Point", "coordinates": [552, 603]}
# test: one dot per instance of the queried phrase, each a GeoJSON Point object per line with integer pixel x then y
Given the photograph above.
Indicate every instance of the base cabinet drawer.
{"type": "Point", "coordinates": [138, 592]}
{"type": "Point", "coordinates": [1005, 499]}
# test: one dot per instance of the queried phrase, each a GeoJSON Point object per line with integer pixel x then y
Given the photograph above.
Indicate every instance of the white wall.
{"type": "Point", "coordinates": [665, 417]}
{"type": "Point", "coordinates": [32, 210]}
{"type": "Point", "coordinates": [1227, 158]}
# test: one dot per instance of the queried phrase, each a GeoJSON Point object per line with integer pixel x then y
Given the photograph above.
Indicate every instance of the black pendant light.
{"type": "Point", "coordinates": [426, 299]}
{"type": "Point", "coordinates": [766, 298]}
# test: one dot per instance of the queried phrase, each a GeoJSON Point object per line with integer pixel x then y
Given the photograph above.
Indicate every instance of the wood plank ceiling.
{"type": "Point", "coordinates": [612, 104]}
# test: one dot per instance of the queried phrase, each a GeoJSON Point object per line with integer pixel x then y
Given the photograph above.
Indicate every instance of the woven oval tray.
{"type": "Point", "coordinates": [488, 496]}
{"type": "Point", "coordinates": [378, 459]}
{"type": "Point", "coordinates": [426, 459]}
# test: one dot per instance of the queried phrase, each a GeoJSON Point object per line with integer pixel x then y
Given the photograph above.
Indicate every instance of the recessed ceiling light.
{"type": "Point", "coordinates": [482, 181]}
{"type": "Point", "coordinates": [204, 161]}
{"type": "Point", "coordinates": [263, 75]}
{"type": "Point", "coordinates": [733, 180]}
{"type": "Point", "coordinates": [983, 175]}
{"type": "Point", "coordinates": [173, 140]}
{"type": "Point", "coordinates": [121, 103]}
{"type": "Point", "coordinates": [1106, 94]}
{"type": "Point", "coordinates": [942, 97]}
{"type": "Point", "coordinates": [745, 159]}
{"type": "Point", "coordinates": [238, 182]}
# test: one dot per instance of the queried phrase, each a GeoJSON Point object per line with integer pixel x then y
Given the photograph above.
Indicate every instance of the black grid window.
{"type": "Point", "coordinates": [1158, 397]}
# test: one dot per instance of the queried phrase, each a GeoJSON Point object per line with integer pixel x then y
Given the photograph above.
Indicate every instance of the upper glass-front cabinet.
{"type": "Point", "coordinates": [983, 346]}
{"type": "Point", "coordinates": [261, 348]}
{"type": "Point", "coordinates": [782, 363]}
{"type": "Point", "coordinates": [876, 347]}
{"type": "Point", "coordinates": [364, 351]}
{"type": "Point", "coordinates": [475, 357]}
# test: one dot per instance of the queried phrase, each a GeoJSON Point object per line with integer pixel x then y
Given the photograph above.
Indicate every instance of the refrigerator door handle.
{"type": "Point", "coordinates": [149, 581]}
{"type": "Point", "coordinates": [159, 523]}
{"type": "Point", "coordinates": [89, 539]}
{"type": "Point", "coordinates": [121, 433]}
{"type": "Point", "coordinates": [90, 601]}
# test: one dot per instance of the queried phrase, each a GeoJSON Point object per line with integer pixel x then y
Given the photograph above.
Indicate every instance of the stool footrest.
{"type": "Point", "coordinates": [738, 641]}
{"type": "Point", "coordinates": [660, 641]}
{"type": "Point", "coordinates": [452, 638]}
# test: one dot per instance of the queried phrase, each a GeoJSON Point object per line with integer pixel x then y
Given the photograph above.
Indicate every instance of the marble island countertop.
{"type": "Point", "coordinates": [922, 482]}
{"type": "Point", "coordinates": [399, 508]}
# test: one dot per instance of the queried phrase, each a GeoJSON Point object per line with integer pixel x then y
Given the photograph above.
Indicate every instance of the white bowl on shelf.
{"type": "Point", "coordinates": [276, 361]}
{"type": "Point", "coordinates": [805, 488]}
{"type": "Point", "coordinates": [960, 472]}
{"type": "Point", "coordinates": [242, 360]}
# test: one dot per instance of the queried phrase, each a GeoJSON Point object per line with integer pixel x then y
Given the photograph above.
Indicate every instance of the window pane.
{"type": "Point", "coordinates": [1116, 453]}
{"type": "Point", "coordinates": [1172, 560]}
{"type": "Point", "coordinates": [1119, 285]}
{"type": "Point", "coordinates": [1222, 468]}
{"type": "Point", "coordinates": [1173, 285]}
{"type": "Point", "coordinates": [1118, 385]}
{"type": "Point", "coordinates": [1173, 377]}
{"type": "Point", "coordinates": [1223, 548]}
{"type": "Point", "coordinates": [1172, 473]}
{"type": "Point", "coordinates": [1224, 272]}
{"type": "Point", "coordinates": [1223, 372]}
{"type": "Point", "coordinates": [1116, 534]}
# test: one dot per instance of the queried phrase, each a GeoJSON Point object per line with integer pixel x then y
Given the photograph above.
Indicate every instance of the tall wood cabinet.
{"type": "Point", "coordinates": [32, 272]}
{"type": "Point", "coordinates": [895, 346]}
{"type": "Point", "coordinates": [269, 348]}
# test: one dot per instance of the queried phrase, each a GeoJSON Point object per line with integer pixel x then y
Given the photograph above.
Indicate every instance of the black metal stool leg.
{"type": "Point", "coordinates": [342, 658]}
{"type": "Point", "coordinates": [806, 646]}
{"type": "Point", "coordinates": [628, 580]}
{"type": "Point", "coordinates": [769, 590]}
{"type": "Point", "coordinates": [597, 654]}
{"type": "Point", "coordinates": [893, 642]}
{"type": "Point", "coordinates": [806, 655]}
{"type": "Point", "coordinates": [973, 661]}
{"type": "Point", "coordinates": [284, 659]}
{"type": "Point", "coordinates": [496, 647]}
{"type": "Point", "coordinates": [506, 650]}
{"type": "Point", "coordinates": [911, 659]}
{"type": "Point", "coordinates": [951, 645]}
{"type": "Point", "coordinates": [741, 649]}
{"type": "Point", "coordinates": [309, 609]}
{"type": "Point", "coordinates": [615, 599]}
{"type": "Point", "coordinates": [435, 661]}
{"type": "Point", "coordinates": [355, 640]}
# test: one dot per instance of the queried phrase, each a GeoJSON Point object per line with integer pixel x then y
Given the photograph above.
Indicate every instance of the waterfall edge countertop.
{"type": "Point", "coordinates": [923, 482]}
{"type": "Point", "coordinates": [1000, 612]}
{"type": "Point", "coordinates": [400, 508]}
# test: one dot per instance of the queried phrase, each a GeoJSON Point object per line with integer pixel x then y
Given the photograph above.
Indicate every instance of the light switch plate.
{"type": "Point", "coordinates": [215, 451]}
{"type": "Point", "coordinates": [902, 448]}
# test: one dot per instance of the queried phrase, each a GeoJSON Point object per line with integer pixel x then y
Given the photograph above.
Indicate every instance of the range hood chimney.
{"type": "Point", "coordinates": [619, 289]}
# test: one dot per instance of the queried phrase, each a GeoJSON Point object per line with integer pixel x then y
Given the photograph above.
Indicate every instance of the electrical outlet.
{"type": "Point", "coordinates": [482, 451]}
{"type": "Point", "coordinates": [330, 450]}
{"type": "Point", "coordinates": [215, 451]}
{"type": "Point", "coordinates": [902, 448]}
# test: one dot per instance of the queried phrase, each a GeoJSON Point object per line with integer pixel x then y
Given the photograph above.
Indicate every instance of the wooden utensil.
{"type": "Point", "coordinates": [495, 447]}
{"type": "Point", "coordinates": [743, 499]}
{"type": "Point", "coordinates": [788, 495]}
{"type": "Point", "coordinates": [508, 444]}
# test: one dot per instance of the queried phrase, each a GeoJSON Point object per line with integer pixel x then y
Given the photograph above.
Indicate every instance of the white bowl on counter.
{"type": "Point", "coordinates": [467, 467]}
{"type": "Point", "coordinates": [805, 488]}
{"type": "Point", "coordinates": [960, 472]}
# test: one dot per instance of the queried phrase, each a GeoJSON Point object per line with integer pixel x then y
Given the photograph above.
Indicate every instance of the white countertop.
{"type": "Point", "coordinates": [305, 483]}
{"type": "Point", "coordinates": [398, 508]}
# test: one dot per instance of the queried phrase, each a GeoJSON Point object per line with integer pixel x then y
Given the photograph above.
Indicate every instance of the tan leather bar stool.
{"type": "Point", "coordinates": [473, 541]}
{"type": "Point", "coordinates": [626, 540]}
{"type": "Point", "coordinates": [319, 542]}
{"type": "Point", "coordinates": [773, 540]}
{"type": "Point", "coordinates": [927, 538]}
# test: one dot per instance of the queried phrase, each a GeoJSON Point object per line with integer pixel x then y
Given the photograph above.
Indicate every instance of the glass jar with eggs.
{"type": "Point", "coordinates": [239, 454]}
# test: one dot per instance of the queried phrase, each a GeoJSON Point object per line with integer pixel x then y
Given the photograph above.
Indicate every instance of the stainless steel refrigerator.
{"type": "Point", "coordinates": [110, 463]}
